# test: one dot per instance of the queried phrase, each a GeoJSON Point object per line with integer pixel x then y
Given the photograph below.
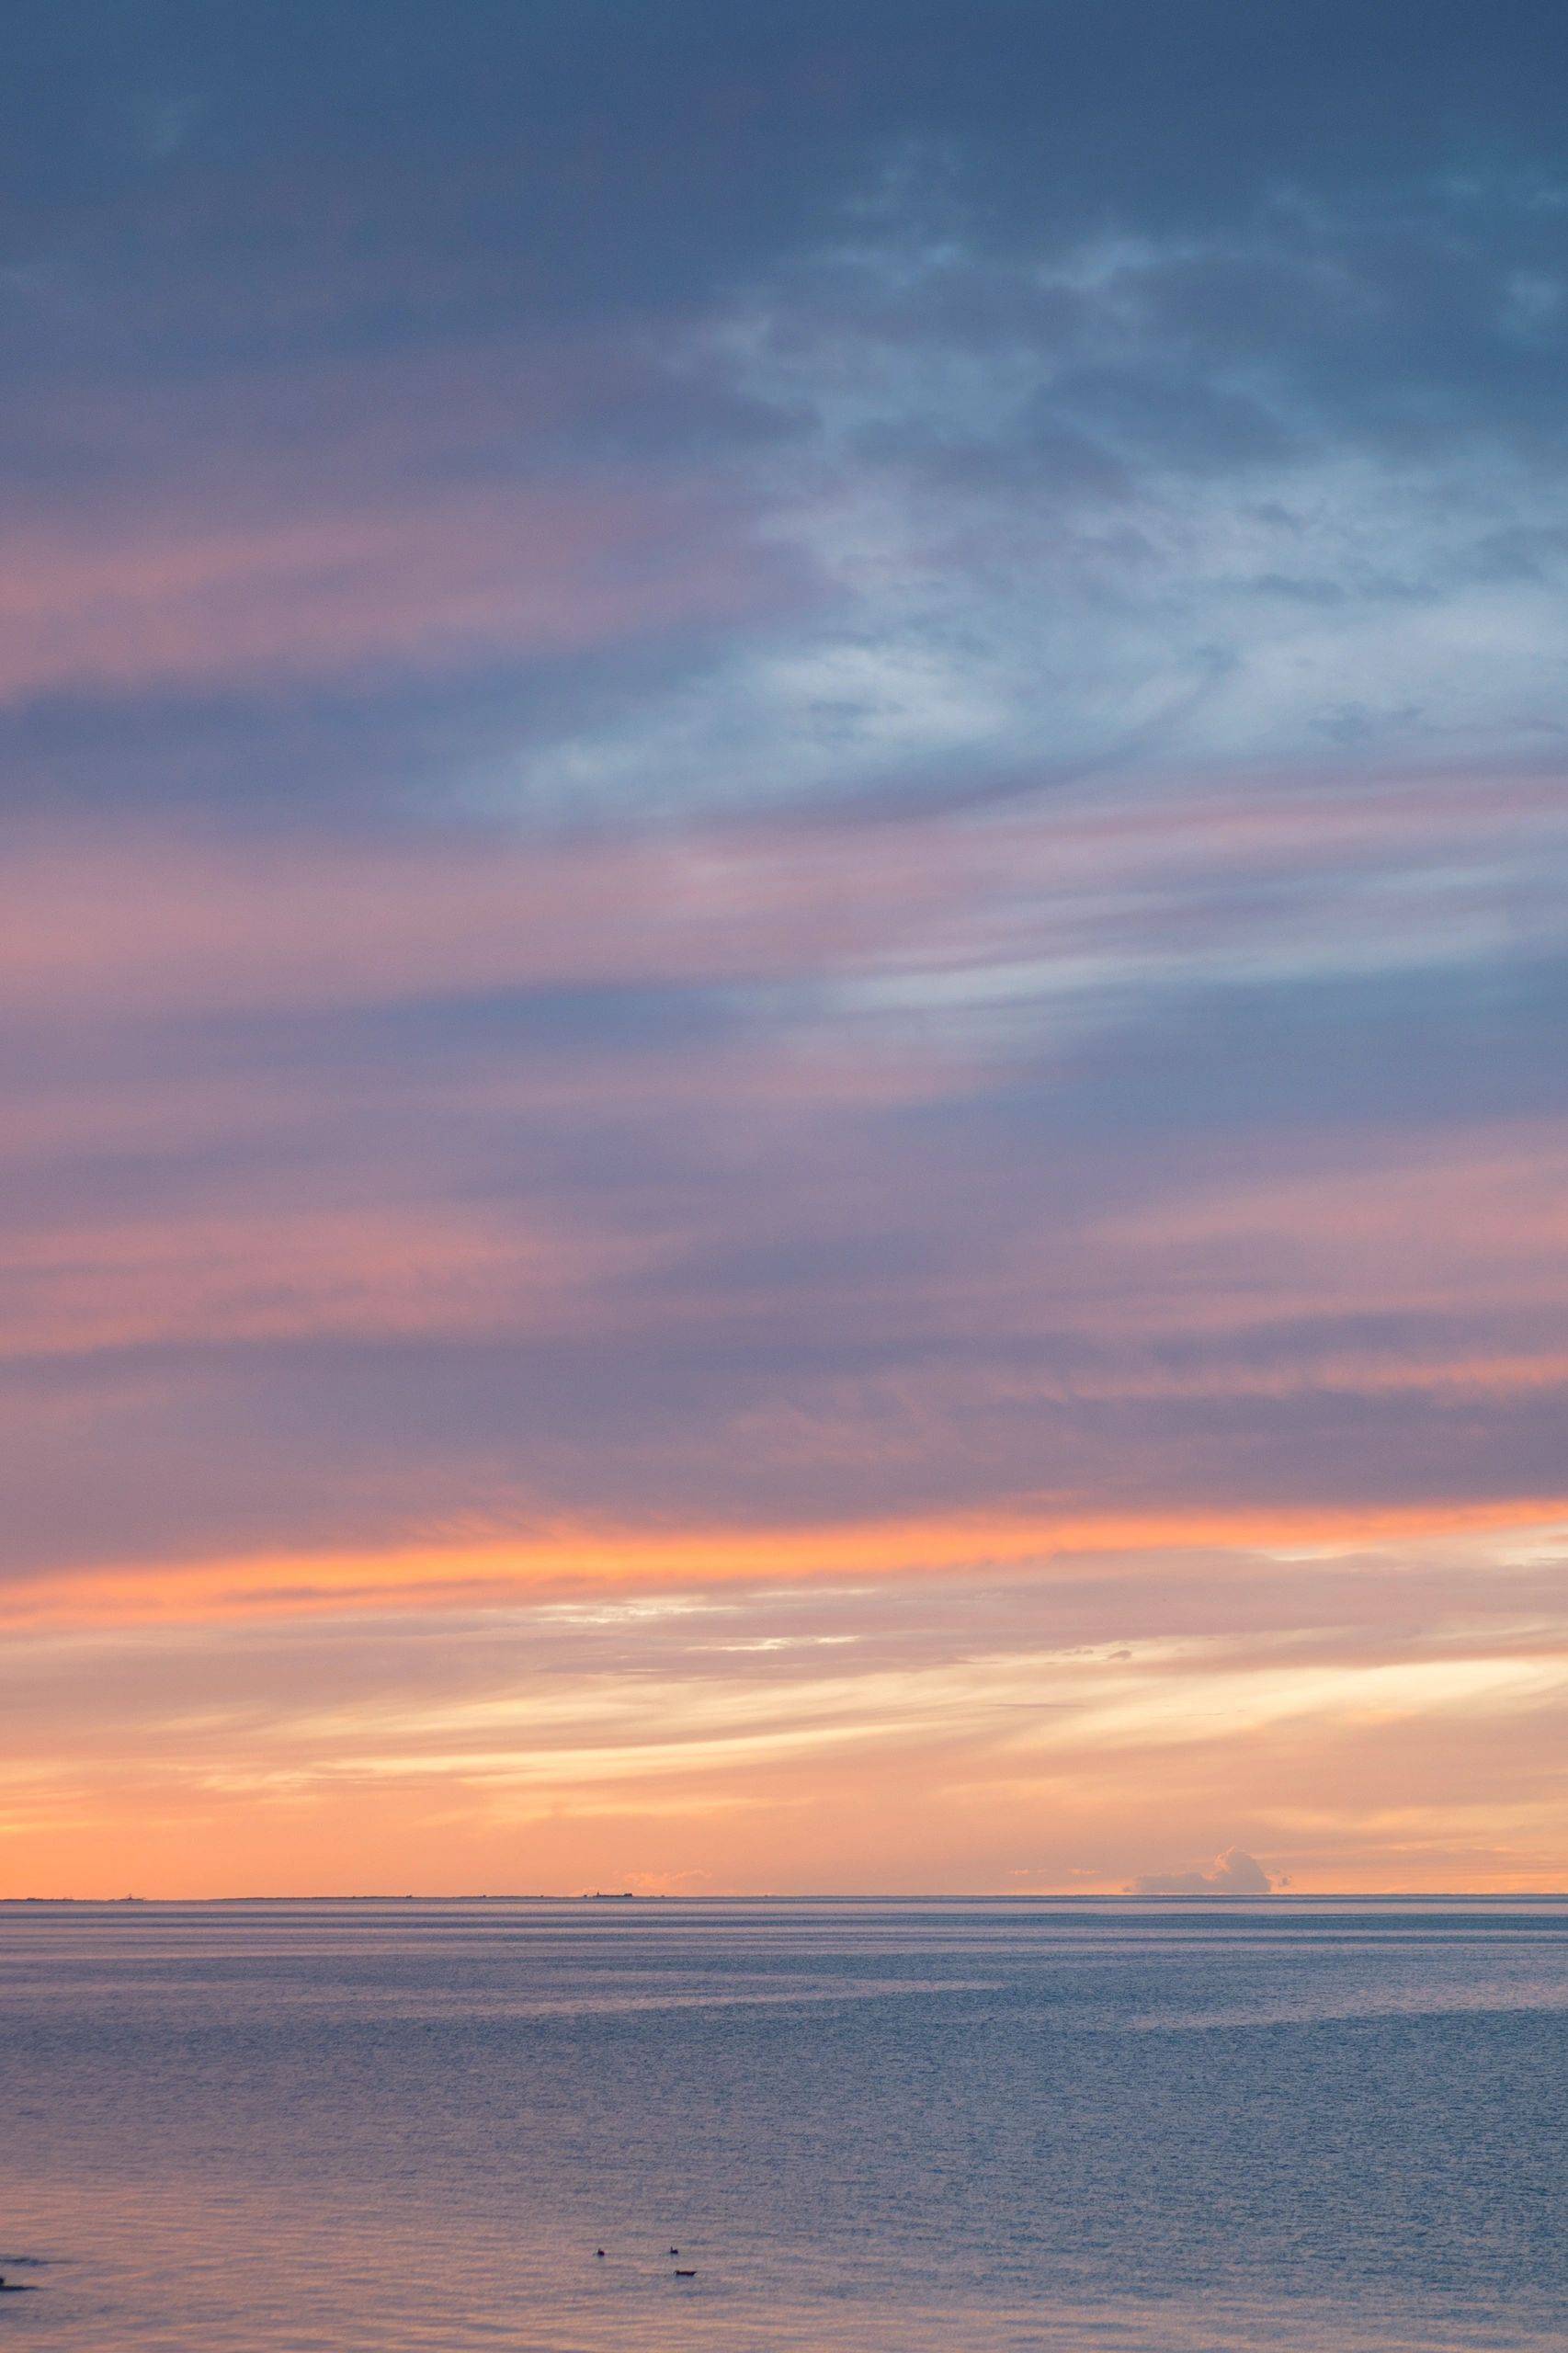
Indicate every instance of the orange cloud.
{"type": "Point", "coordinates": [562, 1560]}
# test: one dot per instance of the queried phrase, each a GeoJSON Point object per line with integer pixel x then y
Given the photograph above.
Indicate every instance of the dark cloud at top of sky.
{"type": "Point", "coordinates": [1195, 101]}
{"type": "Point", "coordinates": [605, 410]}
{"type": "Point", "coordinates": [191, 188]}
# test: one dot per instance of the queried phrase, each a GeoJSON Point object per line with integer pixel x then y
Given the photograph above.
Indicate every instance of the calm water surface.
{"type": "Point", "coordinates": [881, 2127]}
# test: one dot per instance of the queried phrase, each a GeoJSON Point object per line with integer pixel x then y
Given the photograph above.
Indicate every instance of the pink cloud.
{"type": "Point", "coordinates": [478, 574]}
{"type": "Point", "coordinates": [292, 526]}
{"type": "Point", "coordinates": [1079, 894]}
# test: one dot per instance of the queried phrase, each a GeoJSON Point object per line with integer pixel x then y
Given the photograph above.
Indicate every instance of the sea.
{"type": "Point", "coordinates": [881, 2127]}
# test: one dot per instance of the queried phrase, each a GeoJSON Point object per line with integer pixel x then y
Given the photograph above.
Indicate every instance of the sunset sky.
{"type": "Point", "coordinates": [784, 945]}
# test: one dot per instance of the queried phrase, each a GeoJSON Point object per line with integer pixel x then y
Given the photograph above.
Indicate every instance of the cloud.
{"type": "Point", "coordinates": [1232, 1873]}
{"type": "Point", "coordinates": [1147, 1148]}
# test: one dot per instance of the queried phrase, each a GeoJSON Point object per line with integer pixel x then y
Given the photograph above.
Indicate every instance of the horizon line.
{"type": "Point", "coordinates": [738, 1895]}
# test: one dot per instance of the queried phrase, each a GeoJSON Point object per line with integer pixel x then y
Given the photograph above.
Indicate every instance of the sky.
{"type": "Point", "coordinates": [783, 946]}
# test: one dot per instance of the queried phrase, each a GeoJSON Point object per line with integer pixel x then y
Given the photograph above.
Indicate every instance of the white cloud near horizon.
{"type": "Point", "coordinates": [1232, 1873]}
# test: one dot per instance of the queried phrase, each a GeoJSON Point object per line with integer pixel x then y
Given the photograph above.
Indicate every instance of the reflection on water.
{"type": "Point", "coordinates": [879, 2127]}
